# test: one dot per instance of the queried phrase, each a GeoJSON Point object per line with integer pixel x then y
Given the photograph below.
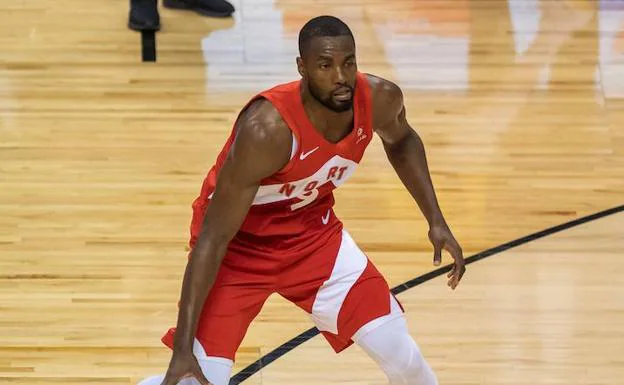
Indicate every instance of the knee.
{"type": "Point", "coordinates": [397, 354]}
{"type": "Point", "coordinates": [408, 358]}
{"type": "Point", "coordinates": [408, 366]}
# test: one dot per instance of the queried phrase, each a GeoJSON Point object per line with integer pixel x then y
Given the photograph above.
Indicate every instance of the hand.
{"type": "Point", "coordinates": [442, 238]}
{"type": "Point", "coordinates": [184, 365]}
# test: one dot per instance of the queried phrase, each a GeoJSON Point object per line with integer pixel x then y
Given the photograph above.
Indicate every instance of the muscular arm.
{"type": "Point", "coordinates": [404, 148]}
{"type": "Point", "coordinates": [262, 147]}
{"type": "Point", "coordinates": [406, 153]}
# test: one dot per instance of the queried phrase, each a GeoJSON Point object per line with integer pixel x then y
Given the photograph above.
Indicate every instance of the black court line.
{"type": "Point", "coordinates": [311, 333]}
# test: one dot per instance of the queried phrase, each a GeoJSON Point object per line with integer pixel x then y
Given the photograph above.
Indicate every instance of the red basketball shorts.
{"type": "Point", "coordinates": [337, 286]}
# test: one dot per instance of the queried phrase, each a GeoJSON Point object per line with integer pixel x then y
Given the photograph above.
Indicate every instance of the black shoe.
{"type": "Point", "coordinates": [213, 8]}
{"type": "Point", "coordinates": [144, 15]}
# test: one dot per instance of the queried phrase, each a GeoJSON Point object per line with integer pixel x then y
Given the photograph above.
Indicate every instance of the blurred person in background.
{"type": "Point", "coordinates": [144, 13]}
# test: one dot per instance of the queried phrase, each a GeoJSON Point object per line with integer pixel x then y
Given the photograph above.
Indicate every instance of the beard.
{"type": "Point", "coordinates": [329, 102]}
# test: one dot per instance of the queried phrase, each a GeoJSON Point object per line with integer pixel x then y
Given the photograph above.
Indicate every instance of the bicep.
{"type": "Point", "coordinates": [230, 202]}
{"type": "Point", "coordinates": [395, 130]}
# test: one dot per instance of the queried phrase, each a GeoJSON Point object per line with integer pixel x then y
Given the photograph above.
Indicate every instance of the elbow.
{"type": "Point", "coordinates": [211, 246]}
{"type": "Point", "coordinates": [404, 146]}
{"type": "Point", "coordinates": [219, 240]}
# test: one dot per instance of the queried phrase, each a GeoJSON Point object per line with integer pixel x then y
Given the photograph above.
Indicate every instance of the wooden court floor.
{"type": "Point", "coordinates": [520, 104]}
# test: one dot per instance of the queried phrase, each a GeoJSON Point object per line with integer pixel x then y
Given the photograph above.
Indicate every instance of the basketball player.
{"type": "Point", "coordinates": [264, 223]}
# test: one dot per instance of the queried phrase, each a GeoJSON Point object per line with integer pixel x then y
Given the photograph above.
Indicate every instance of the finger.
{"type": "Point", "coordinates": [199, 375]}
{"type": "Point", "coordinates": [451, 280]}
{"type": "Point", "coordinates": [437, 254]}
{"type": "Point", "coordinates": [461, 273]}
{"type": "Point", "coordinates": [455, 279]}
{"type": "Point", "coordinates": [458, 275]}
{"type": "Point", "coordinates": [450, 276]}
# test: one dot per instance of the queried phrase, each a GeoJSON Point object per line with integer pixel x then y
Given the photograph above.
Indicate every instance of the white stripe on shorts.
{"type": "Point", "coordinates": [350, 263]}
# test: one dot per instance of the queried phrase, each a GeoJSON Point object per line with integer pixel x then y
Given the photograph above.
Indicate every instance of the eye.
{"type": "Point", "coordinates": [324, 66]}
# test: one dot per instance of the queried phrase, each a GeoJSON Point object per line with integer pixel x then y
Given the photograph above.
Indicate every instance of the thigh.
{"type": "Point", "coordinates": [234, 300]}
{"type": "Point", "coordinates": [340, 288]}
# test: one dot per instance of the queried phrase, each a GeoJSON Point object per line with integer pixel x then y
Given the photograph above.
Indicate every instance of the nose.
{"type": "Point", "coordinates": [339, 75]}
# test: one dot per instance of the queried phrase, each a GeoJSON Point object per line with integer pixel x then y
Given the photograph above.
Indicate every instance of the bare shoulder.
{"type": "Point", "coordinates": [387, 99]}
{"type": "Point", "coordinates": [263, 140]}
{"type": "Point", "coordinates": [383, 87]}
{"type": "Point", "coordinates": [261, 122]}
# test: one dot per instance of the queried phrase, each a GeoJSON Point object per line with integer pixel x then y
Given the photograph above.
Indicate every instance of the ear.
{"type": "Point", "coordinates": [300, 67]}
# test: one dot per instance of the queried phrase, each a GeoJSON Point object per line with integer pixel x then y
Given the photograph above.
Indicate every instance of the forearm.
{"type": "Point", "coordinates": [199, 277]}
{"type": "Point", "coordinates": [408, 158]}
{"type": "Point", "coordinates": [224, 216]}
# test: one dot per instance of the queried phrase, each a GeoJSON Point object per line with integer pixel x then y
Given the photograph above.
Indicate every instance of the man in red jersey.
{"type": "Point", "coordinates": [264, 223]}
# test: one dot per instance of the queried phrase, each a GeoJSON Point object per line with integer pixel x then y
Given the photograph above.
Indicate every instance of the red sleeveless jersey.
{"type": "Point", "coordinates": [292, 210]}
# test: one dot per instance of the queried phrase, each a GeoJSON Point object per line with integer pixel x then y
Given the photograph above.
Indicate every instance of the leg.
{"type": "Point", "coordinates": [387, 341]}
{"type": "Point", "coordinates": [144, 15]}
{"type": "Point", "coordinates": [234, 301]}
{"type": "Point", "coordinates": [340, 289]}
{"type": "Point", "coordinates": [213, 8]}
{"type": "Point", "coordinates": [349, 300]}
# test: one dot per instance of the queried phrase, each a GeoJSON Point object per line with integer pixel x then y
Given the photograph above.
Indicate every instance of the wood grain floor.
{"type": "Point", "coordinates": [521, 107]}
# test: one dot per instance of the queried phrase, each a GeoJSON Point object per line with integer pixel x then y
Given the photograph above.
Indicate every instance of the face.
{"type": "Point", "coordinates": [329, 69]}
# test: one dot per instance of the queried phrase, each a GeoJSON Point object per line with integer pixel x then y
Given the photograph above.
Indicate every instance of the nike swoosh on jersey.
{"type": "Point", "coordinates": [304, 155]}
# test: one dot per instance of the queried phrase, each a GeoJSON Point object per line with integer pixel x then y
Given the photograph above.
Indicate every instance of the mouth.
{"type": "Point", "coordinates": [343, 94]}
